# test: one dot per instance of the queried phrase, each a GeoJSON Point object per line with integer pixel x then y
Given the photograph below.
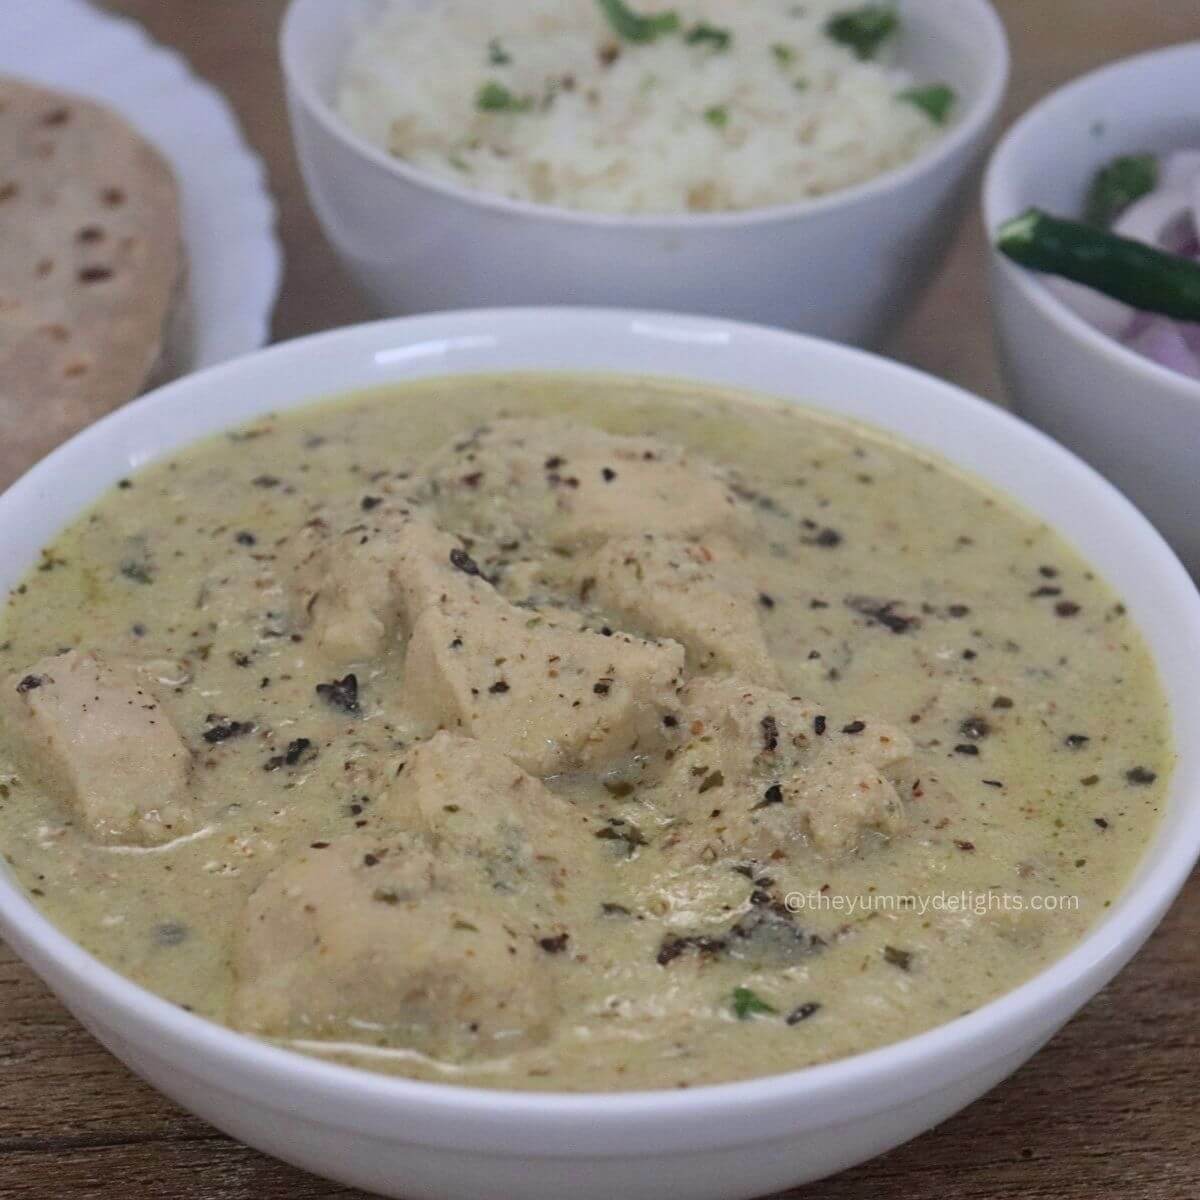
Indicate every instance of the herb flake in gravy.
{"type": "Point", "coordinates": [571, 732]}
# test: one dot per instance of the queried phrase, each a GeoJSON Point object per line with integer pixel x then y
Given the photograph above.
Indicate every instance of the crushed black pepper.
{"type": "Point", "coordinates": [770, 733]}
{"type": "Point", "coordinates": [464, 562]}
{"type": "Point", "coordinates": [225, 730]}
{"type": "Point", "coordinates": [882, 613]}
{"type": "Point", "coordinates": [298, 750]}
{"type": "Point", "coordinates": [341, 694]}
{"type": "Point", "coordinates": [802, 1012]}
{"type": "Point", "coordinates": [773, 795]}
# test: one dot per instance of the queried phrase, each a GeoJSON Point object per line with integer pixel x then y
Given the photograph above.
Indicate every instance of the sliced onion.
{"type": "Point", "coordinates": [1098, 310]}
{"type": "Point", "coordinates": [1191, 335]}
{"type": "Point", "coordinates": [1163, 218]}
{"type": "Point", "coordinates": [1162, 341]}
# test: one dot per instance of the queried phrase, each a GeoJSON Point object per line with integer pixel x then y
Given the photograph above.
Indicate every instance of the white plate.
{"type": "Point", "coordinates": [234, 260]}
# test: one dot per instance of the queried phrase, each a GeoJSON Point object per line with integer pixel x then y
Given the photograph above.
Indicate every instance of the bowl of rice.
{"type": "Point", "coordinates": [796, 164]}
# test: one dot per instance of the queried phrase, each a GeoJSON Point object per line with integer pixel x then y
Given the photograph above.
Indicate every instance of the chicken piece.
{"type": "Point", "coordinates": [551, 696]}
{"type": "Point", "coordinates": [362, 588]}
{"type": "Point", "coordinates": [93, 732]}
{"type": "Point", "coordinates": [480, 803]}
{"type": "Point", "coordinates": [756, 771]}
{"type": "Point", "coordinates": [377, 936]}
{"type": "Point", "coordinates": [567, 486]}
{"type": "Point", "coordinates": [695, 592]}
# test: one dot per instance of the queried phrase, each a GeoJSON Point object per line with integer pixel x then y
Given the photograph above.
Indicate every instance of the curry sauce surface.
{"type": "Point", "coordinates": [890, 584]}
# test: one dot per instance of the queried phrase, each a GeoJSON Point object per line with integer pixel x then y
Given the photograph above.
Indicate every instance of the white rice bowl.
{"type": "Point", "coordinates": [781, 114]}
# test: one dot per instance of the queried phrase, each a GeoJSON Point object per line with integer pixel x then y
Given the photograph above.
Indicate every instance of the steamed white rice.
{"type": "Point", "coordinates": [666, 127]}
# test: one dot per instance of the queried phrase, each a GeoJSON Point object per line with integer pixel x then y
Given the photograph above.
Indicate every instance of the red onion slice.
{"type": "Point", "coordinates": [1162, 341]}
{"type": "Point", "coordinates": [1163, 218]}
{"type": "Point", "coordinates": [1098, 310]}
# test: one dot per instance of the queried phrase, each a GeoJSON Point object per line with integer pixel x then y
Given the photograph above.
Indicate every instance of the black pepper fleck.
{"type": "Point", "coordinates": [341, 694]}
{"type": "Point", "coordinates": [225, 730]}
{"type": "Point", "coordinates": [770, 733]}
{"type": "Point", "coordinates": [463, 561]}
{"type": "Point", "coordinates": [773, 795]}
{"type": "Point", "coordinates": [802, 1012]}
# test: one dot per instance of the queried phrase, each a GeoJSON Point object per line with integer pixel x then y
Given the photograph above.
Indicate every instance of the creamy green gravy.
{"type": "Point", "coordinates": [1040, 732]}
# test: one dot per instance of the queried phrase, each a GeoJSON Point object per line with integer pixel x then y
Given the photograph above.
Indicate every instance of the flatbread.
{"type": "Point", "coordinates": [91, 267]}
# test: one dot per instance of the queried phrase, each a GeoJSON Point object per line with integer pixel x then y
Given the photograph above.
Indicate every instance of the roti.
{"type": "Point", "coordinates": [91, 267]}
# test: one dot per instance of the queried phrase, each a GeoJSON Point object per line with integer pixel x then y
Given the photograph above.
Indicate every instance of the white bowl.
{"type": "Point", "coordinates": [405, 1138]}
{"type": "Point", "coordinates": [1136, 422]}
{"type": "Point", "coordinates": [842, 266]}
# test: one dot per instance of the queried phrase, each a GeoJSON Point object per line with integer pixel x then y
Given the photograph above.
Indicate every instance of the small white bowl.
{"type": "Point", "coordinates": [1135, 421]}
{"type": "Point", "coordinates": [403, 1138]}
{"type": "Point", "coordinates": [841, 266]}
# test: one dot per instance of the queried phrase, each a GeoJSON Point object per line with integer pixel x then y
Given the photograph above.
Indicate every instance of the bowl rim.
{"type": "Point", "coordinates": [965, 130]}
{"type": "Point", "coordinates": [995, 203]}
{"type": "Point", "coordinates": [246, 1065]}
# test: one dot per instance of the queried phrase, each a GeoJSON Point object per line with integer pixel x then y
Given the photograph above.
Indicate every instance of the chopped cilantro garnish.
{"type": "Point", "coordinates": [935, 101]}
{"type": "Point", "coordinates": [863, 30]}
{"type": "Point", "coordinates": [495, 97]}
{"type": "Point", "coordinates": [497, 55]}
{"type": "Point", "coordinates": [717, 116]}
{"type": "Point", "coordinates": [784, 55]}
{"type": "Point", "coordinates": [635, 28]}
{"type": "Point", "coordinates": [747, 1003]}
{"type": "Point", "coordinates": [1117, 185]}
{"type": "Point", "coordinates": [720, 39]}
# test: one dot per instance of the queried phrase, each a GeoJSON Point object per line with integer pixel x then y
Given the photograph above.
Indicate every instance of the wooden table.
{"type": "Point", "coordinates": [1110, 1108]}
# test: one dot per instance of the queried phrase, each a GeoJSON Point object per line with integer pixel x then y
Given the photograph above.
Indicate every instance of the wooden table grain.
{"type": "Point", "coordinates": [1110, 1108]}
